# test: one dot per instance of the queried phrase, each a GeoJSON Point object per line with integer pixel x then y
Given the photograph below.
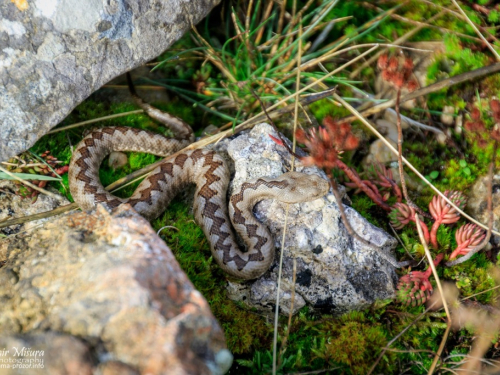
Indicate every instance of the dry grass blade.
{"type": "Point", "coordinates": [78, 124]}
{"type": "Point", "coordinates": [276, 313]}
{"type": "Point", "coordinates": [398, 41]}
{"type": "Point", "coordinates": [334, 52]}
{"type": "Point", "coordinates": [357, 115]}
{"type": "Point", "coordinates": [41, 215]}
{"type": "Point", "coordinates": [386, 348]}
{"type": "Point", "coordinates": [440, 288]}
{"type": "Point", "coordinates": [295, 120]}
{"type": "Point", "coordinates": [458, 15]}
{"type": "Point", "coordinates": [424, 24]}
{"type": "Point", "coordinates": [27, 183]}
{"type": "Point", "coordinates": [488, 44]}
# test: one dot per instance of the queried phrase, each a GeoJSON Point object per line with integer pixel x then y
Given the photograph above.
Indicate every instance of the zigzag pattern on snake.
{"type": "Point", "coordinates": [208, 171]}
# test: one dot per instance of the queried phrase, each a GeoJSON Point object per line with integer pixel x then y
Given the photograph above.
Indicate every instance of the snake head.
{"type": "Point", "coordinates": [303, 187]}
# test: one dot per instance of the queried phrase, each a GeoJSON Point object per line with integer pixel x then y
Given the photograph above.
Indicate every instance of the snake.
{"type": "Point", "coordinates": [202, 167]}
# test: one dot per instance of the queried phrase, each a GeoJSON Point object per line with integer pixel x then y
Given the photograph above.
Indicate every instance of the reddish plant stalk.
{"type": "Point", "coordinates": [434, 230]}
{"type": "Point", "coordinates": [428, 272]}
{"type": "Point", "coordinates": [400, 149]}
{"type": "Point", "coordinates": [362, 185]}
{"type": "Point", "coordinates": [424, 229]}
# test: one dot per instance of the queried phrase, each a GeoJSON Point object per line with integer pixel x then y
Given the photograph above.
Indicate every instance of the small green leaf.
{"type": "Point", "coordinates": [463, 163]}
{"type": "Point", "coordinates": [434, 175]}
{"type": "Point", "coordinates": [467, 171]}
{"type": "Point", "coordinates": [27, 176]}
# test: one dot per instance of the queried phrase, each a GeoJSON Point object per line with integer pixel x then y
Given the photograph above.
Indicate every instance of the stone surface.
{"type": "Point", "coordinates": [13, 206]}
{"type": "Point", "coordinates": [477, 205]}
{"type": "Point", "coordinates": [335, 273]}
{"type": "Point", "coordinates": [54, 54]}
{"type": "Point", "coordinates": [108, 285]}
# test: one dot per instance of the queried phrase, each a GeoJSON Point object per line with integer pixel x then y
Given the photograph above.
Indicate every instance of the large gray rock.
{"type": "Point", "coordinates": [335, 273]}
{"type": "Point", "coordinates": [54, 54]}
{"type": "Point", "coordinates": [104, 284]}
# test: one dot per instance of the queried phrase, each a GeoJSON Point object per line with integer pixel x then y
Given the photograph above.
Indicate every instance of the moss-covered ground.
{"type": "Point", "coordinates": [338, 345]}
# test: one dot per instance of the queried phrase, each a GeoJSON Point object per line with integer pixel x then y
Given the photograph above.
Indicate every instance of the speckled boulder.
{"type": "Point", "coordinates": [108, 285]}
{"type": "Point", "coordinates": [54, 54]}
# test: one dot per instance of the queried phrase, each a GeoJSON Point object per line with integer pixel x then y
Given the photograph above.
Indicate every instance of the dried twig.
{"type": "Point", "coordinates": [78, 124]}
{"type": "Point", "coordinates": [41, 215]}
{"type": "Point", "coordinates": [488, 44]}
{"type": "Point", "coordinates": [455, 80]}
{"type": "Point", "coordinates": [280, 264]}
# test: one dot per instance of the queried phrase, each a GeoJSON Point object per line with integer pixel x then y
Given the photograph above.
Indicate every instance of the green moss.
{"type": "Point", "coordinates": [494, 16]}
{"type": "Point", "coordinates": [473, 277]}
{"type": "Point", "coordinates": [244, 330]}
{"type": "Point", "coordinates": [461, 175]}
{"type": "Point", "coordinates": [361, 340]}
{"type": "Point", "coordinates": [324, 107]}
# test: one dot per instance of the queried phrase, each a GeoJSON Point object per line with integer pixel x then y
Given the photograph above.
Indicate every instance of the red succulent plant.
{"type": "Point", "coordinates": [414, 288]}
{"type": "Point", "coordinates": [444, 213]}
{"type": "Point", "coordinates": [468, 236]}
{"type": "Point", "coordinates": [397, 72]}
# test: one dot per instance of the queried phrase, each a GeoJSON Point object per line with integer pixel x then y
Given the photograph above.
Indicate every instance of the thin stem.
{"type": "Point", "coordinates": [400, 149]}
{"type": "Point", "coordinates": [372, 194]}
{"type": "Point", "coordinates": [275, 336]}
{"type": "Point", "coordinates": [278, 286]}
{"type": "Point", "coordinates": [440, 288]}
{"type": "Point", "coordinates": [358, 116]}
{"type": "Point", "coordinates": [104, 118]}
{"type": "Point", "coordinates": [488, 44]}
{"type": "Point", "coordinates": [445, 83]}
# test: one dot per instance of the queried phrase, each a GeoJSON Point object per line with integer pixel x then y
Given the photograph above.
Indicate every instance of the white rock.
{"type": "Point", "coordinates": [335, 273]}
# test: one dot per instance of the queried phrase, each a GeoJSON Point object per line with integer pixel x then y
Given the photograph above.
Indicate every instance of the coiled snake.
{"type": "Point", "coordinates": [204, 168]}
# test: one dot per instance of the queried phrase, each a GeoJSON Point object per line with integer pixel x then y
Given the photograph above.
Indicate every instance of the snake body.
{"type": "Point", "coordinates": [208, 171]}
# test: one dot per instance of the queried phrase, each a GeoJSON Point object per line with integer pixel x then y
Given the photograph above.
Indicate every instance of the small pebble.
{"type": "Point", "coordinates": [447, 117]}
